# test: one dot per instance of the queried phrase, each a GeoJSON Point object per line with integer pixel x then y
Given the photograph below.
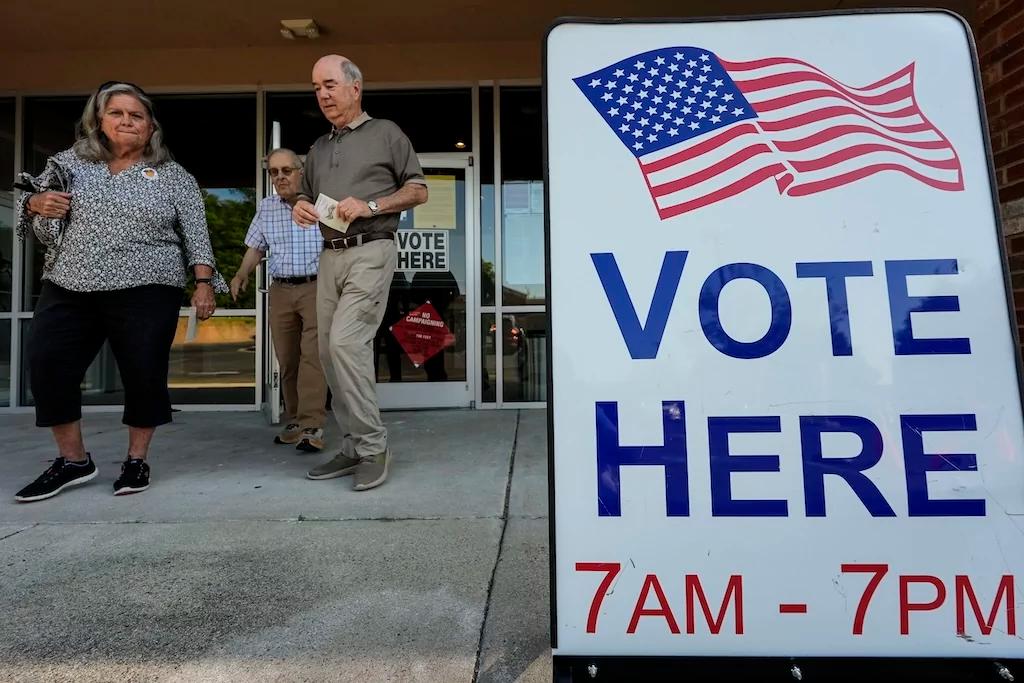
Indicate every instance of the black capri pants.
{"type": "Point", "coordinates": [68, 330]}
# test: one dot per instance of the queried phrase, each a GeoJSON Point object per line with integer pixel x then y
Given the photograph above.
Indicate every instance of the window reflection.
{"type": "Point", "coordinates": [522, 239]}
{"type": "Point", "coordinates": [218, 365]}
{"type": "Point", "coordinates": [49, 127]}
{"type": "Point", "coordinates": [219, 157]}
{"type": "Point", "coordinates": [5, 362]}
{"type": "Point", "coordinates": [524, 356]}
{"type": "Point", "coordinates": [488, 369]}
{"type": "Point", "coordinates": [419, 282]}
{"type": "Point", "coordinates": [434, 120]}
{"type": "Point", "coordinates": [6, 201]}
{"type": "Point", "coordinates": [487, 251]}
{"type": "Point", "coordinates": [522, 198]}
{"type": "Point", "coordinates": [229, 210]}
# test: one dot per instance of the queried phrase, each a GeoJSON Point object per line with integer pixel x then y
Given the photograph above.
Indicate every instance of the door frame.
{"type": "Point", "coordinates": [266, 354]}
{"type": "Point", "coordinates": [400, 395]}
{"type": "Point", "coordinates": [269, 383]}
{"type": "Point", "coordinates": [454, 394]}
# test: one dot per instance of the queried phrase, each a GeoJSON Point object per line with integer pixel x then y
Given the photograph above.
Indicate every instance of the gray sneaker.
{"type": "Point", "coordinates": [372, 471]}
{"type": "Point", "coordinates": [338, 466]}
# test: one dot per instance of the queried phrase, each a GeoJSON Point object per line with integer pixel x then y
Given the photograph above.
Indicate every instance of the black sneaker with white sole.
{"type": "Point", "coordinates": [134, 477]}
{"type": "Point", "coordinates": [60, 475]}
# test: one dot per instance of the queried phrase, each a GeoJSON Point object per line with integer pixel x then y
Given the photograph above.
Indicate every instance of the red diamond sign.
{"type": "Point", "coordinates": [422, 334]}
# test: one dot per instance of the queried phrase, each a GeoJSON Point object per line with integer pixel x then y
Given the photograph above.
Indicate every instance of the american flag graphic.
{"type": "Point", "coordinates": [704, 129]}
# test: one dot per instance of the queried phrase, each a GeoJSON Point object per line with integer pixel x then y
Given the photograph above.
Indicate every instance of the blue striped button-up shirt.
{"type": "Point", "coordinates": [294, 251]}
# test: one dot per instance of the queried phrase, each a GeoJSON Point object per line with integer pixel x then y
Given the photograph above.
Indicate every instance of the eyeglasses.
{"type": "Point", "coordinates": [109, 84]}
{"type": "Point", "coordinates": [287, 170]}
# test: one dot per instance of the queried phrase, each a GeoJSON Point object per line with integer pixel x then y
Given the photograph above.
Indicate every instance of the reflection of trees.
{"type": "Point", "coordinates": [487, 278]}
{"type": "Point", "coordinates": [228, 220]}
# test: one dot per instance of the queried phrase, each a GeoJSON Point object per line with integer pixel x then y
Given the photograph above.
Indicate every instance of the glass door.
{"type": "Point", "coordinates": [425, 348]}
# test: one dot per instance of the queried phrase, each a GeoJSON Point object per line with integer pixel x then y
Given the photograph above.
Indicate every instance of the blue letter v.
{"type": "Point", "coordinates": [642, 342]}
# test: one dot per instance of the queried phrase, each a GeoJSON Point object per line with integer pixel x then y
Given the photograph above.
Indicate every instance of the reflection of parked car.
{"type": "Point", "coordinates": [514, 337]}
{"type": "Point", "coordinates": [515, 354]}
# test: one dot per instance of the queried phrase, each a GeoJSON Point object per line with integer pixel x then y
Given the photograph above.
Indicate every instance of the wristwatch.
{"type": "Point", "coordinates": [204, 280]}
{"type": "Point", "coordinates": [374, 207]}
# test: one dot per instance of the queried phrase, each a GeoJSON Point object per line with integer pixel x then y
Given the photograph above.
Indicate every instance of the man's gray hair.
{"type": "Point", "coordinates": [281, 150]}
{"type": "Point", "coordinates": [351, 71]}
{"type": "Point", "coordinates": [92, 144]}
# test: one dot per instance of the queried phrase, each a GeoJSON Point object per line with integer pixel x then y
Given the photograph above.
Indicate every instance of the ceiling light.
{"type": "Point", "coordinates": [460, 145]}
{"type": "Point", "coordinates": [299, 28]}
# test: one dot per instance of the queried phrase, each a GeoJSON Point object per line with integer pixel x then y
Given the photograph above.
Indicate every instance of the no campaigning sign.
{"type": "Point", "coordinates": [422, 334]}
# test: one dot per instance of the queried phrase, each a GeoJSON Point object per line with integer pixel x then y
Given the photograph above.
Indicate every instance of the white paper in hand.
{"type": "Point", "coordinates": [325, 207]}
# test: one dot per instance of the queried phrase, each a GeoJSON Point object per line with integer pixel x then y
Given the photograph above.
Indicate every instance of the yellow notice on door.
{"type": "Point", "coordinates": [439, 211]}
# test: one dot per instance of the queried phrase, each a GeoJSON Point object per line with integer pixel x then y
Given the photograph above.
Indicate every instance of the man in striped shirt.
{"type": "Point", "coordinates": [294, 260]}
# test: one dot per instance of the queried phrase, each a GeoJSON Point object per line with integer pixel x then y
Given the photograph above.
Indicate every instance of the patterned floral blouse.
{"type": "Point", "coordinates": [144, 225]}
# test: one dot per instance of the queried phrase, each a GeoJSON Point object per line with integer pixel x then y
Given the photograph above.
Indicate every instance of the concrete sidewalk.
{"type": "Point", "coordinates": [234, 567]}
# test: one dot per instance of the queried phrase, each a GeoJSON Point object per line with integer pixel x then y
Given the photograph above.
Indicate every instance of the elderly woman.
{"type": "Point", "coordinates": [122, 224]}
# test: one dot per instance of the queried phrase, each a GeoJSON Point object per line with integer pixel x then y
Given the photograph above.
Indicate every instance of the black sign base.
{"type": "Point", "coordinates": [784, 669]}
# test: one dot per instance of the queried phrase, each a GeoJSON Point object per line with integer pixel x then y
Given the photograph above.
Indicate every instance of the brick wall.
{"type": "Point", "coordinates": [999, 30]}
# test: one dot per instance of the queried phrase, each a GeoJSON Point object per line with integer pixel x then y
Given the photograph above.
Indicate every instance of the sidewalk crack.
{"type": "Point", "coordinates": [501, 546]}
{"type": "Point", "coordinates": [15, 533]}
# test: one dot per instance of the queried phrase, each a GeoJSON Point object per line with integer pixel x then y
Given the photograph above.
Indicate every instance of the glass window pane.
{"type": "Point", "coordinates": [522, 197]}
{"type": "Point", "coordinates": [222, 158]}
{"type": "Point", "coordinates": [25, 397]}
{"type": "Point", "coordinates": [227, 177]}
{"type": "Point", "coordinates": [486, 157]}
{"type": "Point", "coordinates": [524, 362]}
{"type": "Point", "coordinates": [218, 365]}
{"type": "Point", "coordinates": [5, 363]}
{"type": "Point", "coordinates": [49, 128]}
{"type": "Point", "coordinates": [421, 280]}
{"type": "Point", "coordinates": [435, 120]}
{"type": "Point", "coordinates": [488, 374]}
{"type": "Point", "coordinates": [6, 202]}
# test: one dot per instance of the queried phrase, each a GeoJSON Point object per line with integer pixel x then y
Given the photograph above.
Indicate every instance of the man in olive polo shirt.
{"type": "Point", "coordinates": [369, 167]}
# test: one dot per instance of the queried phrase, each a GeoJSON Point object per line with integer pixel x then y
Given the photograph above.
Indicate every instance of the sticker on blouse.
{"type": "Point", "coordinates": [150, 173]}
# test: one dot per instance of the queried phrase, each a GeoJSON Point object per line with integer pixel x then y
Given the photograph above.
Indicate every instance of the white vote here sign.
{"type": "Point", "coordinates": [786, 412]}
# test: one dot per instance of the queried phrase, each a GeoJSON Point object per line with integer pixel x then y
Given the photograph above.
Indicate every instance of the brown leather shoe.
{"type": "Point", "coordinates": [290, 434]}
{"type": "Point", "coordinates": [311, 440]}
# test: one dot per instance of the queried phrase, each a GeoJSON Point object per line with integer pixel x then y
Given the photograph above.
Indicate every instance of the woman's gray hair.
{"type": "Point", "coordinates": [92, 144]}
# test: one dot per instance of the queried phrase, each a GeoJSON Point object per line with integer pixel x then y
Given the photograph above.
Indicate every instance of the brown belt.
{"type": "Point", "coordinates": [356, 240]}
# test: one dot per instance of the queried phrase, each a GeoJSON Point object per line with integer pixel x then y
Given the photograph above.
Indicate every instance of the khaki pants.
{"type": "Point", "coordinates": [352, 293]}
{"type": "Point", "coordinates": [294, 331]}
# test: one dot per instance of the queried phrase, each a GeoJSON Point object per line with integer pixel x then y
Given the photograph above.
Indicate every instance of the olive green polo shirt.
{"type": "Point", "coordinates": [367, 159]}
